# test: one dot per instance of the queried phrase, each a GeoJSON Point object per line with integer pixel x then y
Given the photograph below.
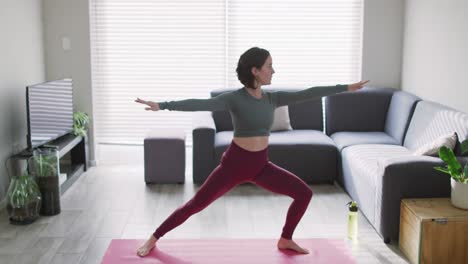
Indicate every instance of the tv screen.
{"type": "Point", "coordinates": [50, 111]}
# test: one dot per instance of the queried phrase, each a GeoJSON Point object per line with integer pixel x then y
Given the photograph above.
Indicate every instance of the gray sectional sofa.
{"type": "Point", "coordinates": [365, 145]}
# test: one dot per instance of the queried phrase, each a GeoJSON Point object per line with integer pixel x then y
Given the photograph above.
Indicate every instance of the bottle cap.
{"type": "Point", "coordinates": [352, 206]}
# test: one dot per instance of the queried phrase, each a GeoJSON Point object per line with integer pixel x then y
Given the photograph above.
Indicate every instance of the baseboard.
{"type": "Point", "coordinates": [93, 163]}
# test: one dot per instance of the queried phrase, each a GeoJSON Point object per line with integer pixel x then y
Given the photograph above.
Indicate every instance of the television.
{"type": "Point", "coordinates": [49, 110]}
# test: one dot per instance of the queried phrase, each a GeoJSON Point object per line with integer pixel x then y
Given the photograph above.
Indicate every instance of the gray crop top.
{"type": "Point", "coordinates": [251, 116]}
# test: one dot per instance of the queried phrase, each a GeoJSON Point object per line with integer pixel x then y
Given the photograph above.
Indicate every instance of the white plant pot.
{"type": "Point", "coordinates": [459, 194]}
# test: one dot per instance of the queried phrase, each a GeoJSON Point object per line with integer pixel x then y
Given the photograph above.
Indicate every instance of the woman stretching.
{"type": "Point", "coordinates": [246, 159]}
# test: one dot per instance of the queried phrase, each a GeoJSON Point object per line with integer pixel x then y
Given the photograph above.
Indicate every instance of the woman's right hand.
{"type": "Point", "coordinates": [356, 86]}
{"type": "Point", "coordinates": [152, 105]}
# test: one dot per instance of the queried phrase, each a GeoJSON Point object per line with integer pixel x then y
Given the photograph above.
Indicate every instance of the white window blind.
{"type": "Point", "coordinates": [312, 42]}
{"type": "Point", "coordinates": [155, 50]}
{"type": "Point", "coordinates": [171, 50]}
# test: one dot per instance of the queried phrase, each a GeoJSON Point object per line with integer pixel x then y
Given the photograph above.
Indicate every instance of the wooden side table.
{"type": "Point", "coordinates": [433, 231]}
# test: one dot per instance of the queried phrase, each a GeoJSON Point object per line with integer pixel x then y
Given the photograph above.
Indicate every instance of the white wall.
{"type": "Point", "coordinates": [21, 64]}
{"type": "Point", "coordinates": [435, 56]}
{"type": "Point", "coordinates": [382, 42]}
{"type": "Point", "coordinates": [70, 19]}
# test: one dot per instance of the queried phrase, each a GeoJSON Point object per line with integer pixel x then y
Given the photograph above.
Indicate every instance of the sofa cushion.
{"type": "Point", "coordinates": [301, 137]}
{"type": "Point", "coordinates": [281, 119]}
{"type": "Point", "coordinates": [345, 139]}
{"type": "Point", "coordinates": [432, 120]}
{"type": "Point", "coordinates": [364, 110]}
{"type": "Point", "coordinates": [361, 165]}
{"type": "Point", "coordinates": [432, 148]}
{"type": "Point", "coordinates": [291, 138]}
{"type": "Point", "coordinates": [309, 154]}
{"type": "Point", "coordinates": [399, 114]}
{"type": "Point", "coordinates": [307, 115]}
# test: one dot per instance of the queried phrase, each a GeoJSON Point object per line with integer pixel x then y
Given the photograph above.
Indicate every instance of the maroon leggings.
{"type": "Point", "coordinates": [238, 166]}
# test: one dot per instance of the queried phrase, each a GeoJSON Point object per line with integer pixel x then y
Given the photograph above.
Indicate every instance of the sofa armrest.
{"type": "Point", "coordinates": [413, 177]}
{"type": "Point", "coordinates": [203, 134]}
{"type": "Point", "coordinates": [413, 166]}
{"type": "Point", "coordinates": [406, 177]}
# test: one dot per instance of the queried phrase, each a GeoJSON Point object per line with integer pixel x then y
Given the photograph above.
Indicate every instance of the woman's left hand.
{"type": "Point", "coordinates": [356, 86]}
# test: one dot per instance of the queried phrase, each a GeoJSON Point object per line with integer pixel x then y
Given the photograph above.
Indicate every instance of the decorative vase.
{"type": "Point", "coordinates": [459, 195]}
{"type": "Point", "coordinates": [23, 200]}
{"type": "Point", "coordinates": [44, 165]}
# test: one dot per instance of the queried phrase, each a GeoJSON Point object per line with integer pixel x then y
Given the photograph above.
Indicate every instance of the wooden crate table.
{"type": "Point", "coordinates": [433, 231]}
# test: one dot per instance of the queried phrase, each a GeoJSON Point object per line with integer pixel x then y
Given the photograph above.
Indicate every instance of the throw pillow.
{"type": "Point", "coordinates": [457, 150]}
{"type": "Point", "coordinates": [432, 148]}
{"type": "Point", "coordinates": [281, 119]}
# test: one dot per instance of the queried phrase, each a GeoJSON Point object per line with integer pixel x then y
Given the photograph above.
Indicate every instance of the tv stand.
{"type": "Point", "coordinates": [73, 158]}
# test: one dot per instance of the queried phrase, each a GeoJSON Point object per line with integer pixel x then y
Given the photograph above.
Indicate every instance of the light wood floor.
{"type": "Point", "coordinates": [112, 201]}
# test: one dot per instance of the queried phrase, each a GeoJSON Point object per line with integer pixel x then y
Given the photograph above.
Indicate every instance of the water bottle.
{"type": "Point", "coordinates": [352, 220]}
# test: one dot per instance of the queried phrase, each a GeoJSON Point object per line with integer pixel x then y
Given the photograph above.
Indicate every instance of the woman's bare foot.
{"type": "Point", "coordinates": [147, 246]}
{"type": "Point", "coordinates": [289, 244]}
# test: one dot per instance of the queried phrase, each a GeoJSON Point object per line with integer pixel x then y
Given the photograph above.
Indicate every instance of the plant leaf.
{"type": "Point", "coordinates": [466, 171]}
{"type": "Point", "coordinates": [80, 123]}
{"type": "Point", "coordinates": [464, 146]}
{"type": "Point", "coordinates": [442, 169]}
{"type": "Point", "coordinates": [453, 165]}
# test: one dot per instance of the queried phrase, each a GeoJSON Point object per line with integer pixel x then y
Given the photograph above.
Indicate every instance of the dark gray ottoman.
{"type": "Point", "coordinates": [164, 155]}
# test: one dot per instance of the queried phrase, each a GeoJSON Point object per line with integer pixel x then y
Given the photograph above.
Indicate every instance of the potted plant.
{"type": "Point", "coordinates": [23, 200]}
{"type": "Point", "coordinates": [80, 123]}
{"type": "Point", "coordinates": [44, 164]}
{"type": "Point", "coordinates": [459, 175]}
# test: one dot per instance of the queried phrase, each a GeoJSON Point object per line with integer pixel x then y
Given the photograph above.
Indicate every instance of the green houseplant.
{"type": "Point", "coordinates": [44, 164]}
{"type": "Point", "coordinates": [23, 200]}
{"type": "Point", "coordinates": [458, 174]}
{"type": "Point", "coordinates": [80, 123]}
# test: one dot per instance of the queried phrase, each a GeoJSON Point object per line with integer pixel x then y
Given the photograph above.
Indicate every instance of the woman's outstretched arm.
{"type": "Point", "coordinates": [211, 104]}
{"type": "Point", "coordinates": [285, 97]}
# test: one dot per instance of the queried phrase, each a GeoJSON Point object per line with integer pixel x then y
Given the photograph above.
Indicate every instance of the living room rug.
{"type": "Point", "coordinates": [205, 251]}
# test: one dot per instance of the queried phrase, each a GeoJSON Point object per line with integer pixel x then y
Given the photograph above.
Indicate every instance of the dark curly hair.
{"type": "Point", "coordinates": [253, 57]}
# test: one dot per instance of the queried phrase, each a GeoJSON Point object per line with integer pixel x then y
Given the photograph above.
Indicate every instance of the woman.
{"type": "Point", "coordinates": [246, 159]}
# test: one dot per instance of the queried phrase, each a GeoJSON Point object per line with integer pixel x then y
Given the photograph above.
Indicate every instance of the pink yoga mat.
{"type": "Point", "coordinates": [224, 251]}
